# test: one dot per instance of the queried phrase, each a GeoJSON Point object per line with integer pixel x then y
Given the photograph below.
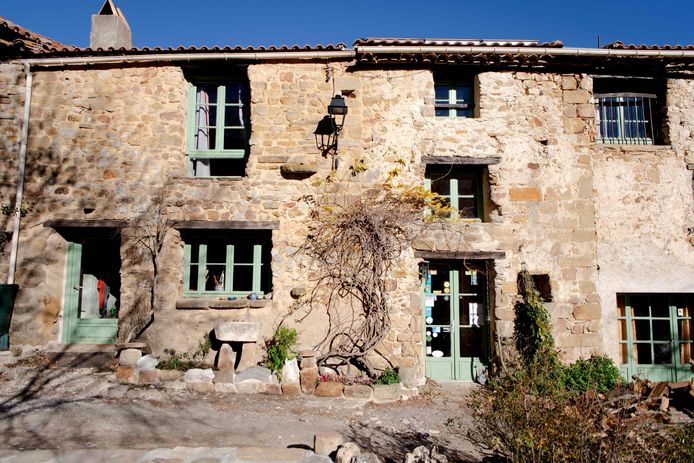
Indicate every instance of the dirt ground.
{"type": "Point", "coordinates": [76, 408]}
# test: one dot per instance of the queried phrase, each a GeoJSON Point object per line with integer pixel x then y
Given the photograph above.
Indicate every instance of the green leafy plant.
{"type": "Point", "coordinates": [279, 348]}
{"type": "Point", "coordinates": [185, 360]}
{"type": "Point", "coordinates": [23, 209]}
{"type": "Point", "coordinates": [388, 376]}
{"type": "Point", "coordinates": [598, 372]}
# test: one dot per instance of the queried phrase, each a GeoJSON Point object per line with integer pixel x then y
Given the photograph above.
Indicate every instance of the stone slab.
{"type": "Point", "coordinates": [224, 376]}
{"type": "Point", "coordinates": [329, 389]}
{"type": "Point", "coordinates": [325, 443]}
{"type": "Point", "coordinates": [237, 331]}
{"type": "Point", "coordinates": [198, 375]}
{"type": "Point", "coordinates": [386, 392]}
{"type": "Point", "coordinates": [358, 391]}
{"type": "Point", "coordinates": [227, 358]}
{"type": "Point", "coordinates": [291, 390]}
{"type": "Point", "coordinates": [265, 455]}
{"type": "Point", "coordinates": [255, 372]}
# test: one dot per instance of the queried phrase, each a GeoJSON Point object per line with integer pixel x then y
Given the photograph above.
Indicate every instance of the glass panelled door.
{"type": "Point", "coordinates": [92, 291]}
{"type": "Point", "coordinates": [655, 332]}
{"type": "Point", "coordinates": [455, 319]}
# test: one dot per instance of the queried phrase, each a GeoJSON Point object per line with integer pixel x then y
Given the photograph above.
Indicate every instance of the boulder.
{"type": "Point", "coordinates": [198, 375]}
{"type": "Point", "coordinates": [386, 392]}
{"type": "Point", "coordinates": [409, 376]}
{"type": "Point", "coordinates": [227, 358]}
{"type": "Point", "coordinates": [170, 375]}
{"type": "Point", "coordinates": [291, 390]}
{"type": "Point", "coordinates": [325, 443]}
{"type": "Point", "coordinates": [290, 371]}
{"type": "Point", "coordinates": [358, 391]}
{"type": "Point", "coordinates": [148, 362]}
{"type": "Point", "coordinates": [309, 378]}
{"type": "Point", "coordinates": [255, 372]}
{"type": "Point", "coordinates": [329, 389]}
{"type": "Point", "coordinates": [348, 453]}
{"type": "Point", "coordinates": [129, 357]}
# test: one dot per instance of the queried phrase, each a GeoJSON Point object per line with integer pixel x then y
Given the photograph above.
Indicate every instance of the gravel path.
{"type": "Point", "coordinates": [69, 409]}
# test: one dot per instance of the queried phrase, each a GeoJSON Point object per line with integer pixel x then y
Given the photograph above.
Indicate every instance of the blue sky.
{"type": "Point", "coordinates": [289, 22]}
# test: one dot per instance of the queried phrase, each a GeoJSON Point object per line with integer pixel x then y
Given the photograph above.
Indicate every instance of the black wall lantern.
{"type": "Point", "coordinates": [328, 131]}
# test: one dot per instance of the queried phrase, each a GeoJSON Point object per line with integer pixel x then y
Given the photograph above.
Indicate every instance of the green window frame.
{"type": "Point", "coordinates": [218, 127]}
{"type": "Point", "coordinates": [454, 99]}
{"type": "Point", "coordinates": [229, 264]}
{"type": "Point", "coordinates": [655, 334]}
{"type": "Point", "coordinates": [462, 187]}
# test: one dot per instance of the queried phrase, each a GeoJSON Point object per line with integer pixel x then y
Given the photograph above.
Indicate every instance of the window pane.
{"type": "Point", "coordinates": [441, 184]}
{"type": "Point", "coordinates": [233, 116]}
{"type": "Point", "coordinates": [438, 342]}
{"type": "Point", "coordinates": [216, 252]}
{"type": "Point", "coordinates": [442, 112]}
{"type": "Point", "coordinates": [235, 93]}
{"type": "Point", "coordinates": [685, 352]}
{"type": "Point", "coordinates": [441, 312]}
{"type": "Point", "coordinates": [662, 353]}
{"type": "Point", "coordinates": [622, 329]}
{"type": "Point", "coordinates": [639, 306]}
{"type": "Point", "coordinates": [243, 278]}
{"type": "Point", "coordinates": [642, 329]}
{"type": "Point", "coordinates": [206, 116]}
{"type": "Point", "coordinates": [471, 342]}
{"type": "Point", "coordinates": [684, 330]}
{"type": "Point", "coordinates": [624, 354]}
{"type": "Point", "coordinates": [462, 94]}
{"type": "Point", "coordinates": [661, 330]}
{"type": "Point", "coordinates": [243, 253]}
{"type": "Point", "coordinates": [441, 93]}
{"type": "Point", "coordinates": [467, 208]}
{"type": "Point", "coordinates": [206, 94]}
{"type": "Point", "coordinates": [193, 280]}
{"type": "Point", "coordinates": [643, 354]}
{"type": "Point", "coordinates": [214, 278]}
{"type": "Point", "coordinates": [463, 112]}
{"type": "Point", "coordinates": [194, 253]}
{"type": "Point", "coordinates": [205, 138]}
{"type": "Point", "coordinates": [660, 306]}
{"type": "Point", "coordinates": [234, 139]}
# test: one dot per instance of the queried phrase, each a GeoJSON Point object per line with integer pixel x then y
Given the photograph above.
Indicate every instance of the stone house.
{"type": "Point", "coordinates": [573, 163]}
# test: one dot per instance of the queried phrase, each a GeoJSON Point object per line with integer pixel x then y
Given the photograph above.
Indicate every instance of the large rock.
{"type": "Point", "coordinates": [129, 357]}
{"type": "Point", "coordinates": [348, 453]}
{"type": "Point", "coordinates": [423, 455]}
{"type": "Point", "coordinates": [386, 392]}
{"type": "Point", "coordinates": [358, 391]}
{"type": "Point", "coordinates": [237, 331]}
{"type": "Point", "coordinates": [290, 371]}
{"type": "Point", "coordinates": [227, 358]}
{"type": "Point", "coordinates": [224, 376]}
{"type": "Point", "coordinates": [148, 362]}
{"type": "Point", "coordinates": [309, 379]}
{"type": "Point", "coordinates": [198, 375]}
{"type": "Point", "coordinates": [329, 389]}
{"type": "Point", "coordinates": [409, 376]}
{"type": "Point", "coordinates": [291, 390]}
{"type": "Point", "coordinates": [325, 443]}
{"type": "Point", "coordinates": [255, 372]}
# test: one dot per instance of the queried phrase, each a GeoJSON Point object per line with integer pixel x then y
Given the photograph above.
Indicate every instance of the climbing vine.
{"type": "Point", "coordinates": [355, 239]}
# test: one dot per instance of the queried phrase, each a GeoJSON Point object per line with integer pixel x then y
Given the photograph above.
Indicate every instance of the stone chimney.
{"type": "Point", "coordinates": [110, 29]}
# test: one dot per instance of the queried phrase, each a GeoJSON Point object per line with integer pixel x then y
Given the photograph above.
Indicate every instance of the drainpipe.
{"type": "Point", "coordinates": [20, 175]}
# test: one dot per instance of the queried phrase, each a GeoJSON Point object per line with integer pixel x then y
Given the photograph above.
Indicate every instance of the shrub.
{"type": "Point", "coordinates": [184, 360]}
{"type": "Point", "coordinates": [598, 372]}
{"type": "Point", "coordinates": [388, 376]}
{"type": "Point", "coordinates": [279, 348]}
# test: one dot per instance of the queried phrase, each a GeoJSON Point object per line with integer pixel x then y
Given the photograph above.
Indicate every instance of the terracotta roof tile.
{"type": "Point", "coordinates": [31, 41]}
{"type": "Point", "coordinates": [423, 42]}
{"type": "Point", "coordinates": [632, 46]}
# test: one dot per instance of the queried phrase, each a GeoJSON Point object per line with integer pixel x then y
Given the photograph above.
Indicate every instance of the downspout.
{"type": "Point", "coordinates": [20, 175]}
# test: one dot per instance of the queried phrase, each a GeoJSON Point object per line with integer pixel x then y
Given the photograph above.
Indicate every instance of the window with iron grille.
{"type": "Point", "coordinates": [454, 98]}
{"type": "Point", "coordinates": [627, 111]}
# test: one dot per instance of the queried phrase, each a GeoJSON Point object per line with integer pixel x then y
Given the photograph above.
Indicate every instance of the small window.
{"type": "Point", "coordinates": [461, 187]}
{"type": "Point", "coordinates": [454, 98]}
{"type": "Point", "coordinates": [543, 286]}
{"type": "Point", "coordinates": [227, 263]}
{"type": "Point", "coordinates": [627, 111]}
{"type": "Point", "coordinates": [218, 129]}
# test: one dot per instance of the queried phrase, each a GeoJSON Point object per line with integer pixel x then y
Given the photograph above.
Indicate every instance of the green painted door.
{"type": "Point", "coordinates": [655, 336]}
{"type": "Point", "coordinates": [455, 319]}
{"type": "Point", "coordinates": [92, 291]}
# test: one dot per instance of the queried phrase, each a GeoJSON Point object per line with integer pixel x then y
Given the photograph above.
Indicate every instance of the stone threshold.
{"type": "Point", "coordinates": [220, 304]}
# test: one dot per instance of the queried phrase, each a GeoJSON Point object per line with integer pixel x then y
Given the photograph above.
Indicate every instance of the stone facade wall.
{"type": "Point", "coordinates": [12, 91]}
{"type": "Point", "coordinates": [114, 138]}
